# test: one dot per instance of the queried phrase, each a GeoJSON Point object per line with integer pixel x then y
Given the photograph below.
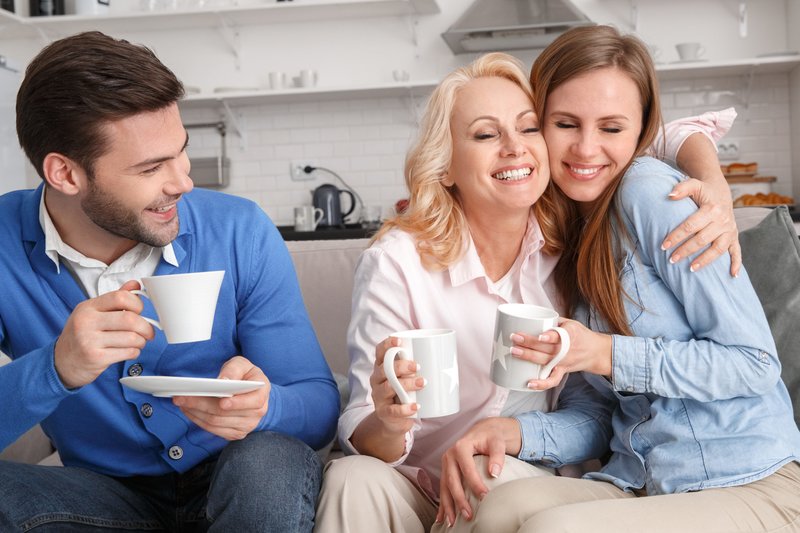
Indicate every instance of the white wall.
{"type": "Point", "coordinates": [365, 139]}
{"type": "Point", "coordinates": [792, 23]}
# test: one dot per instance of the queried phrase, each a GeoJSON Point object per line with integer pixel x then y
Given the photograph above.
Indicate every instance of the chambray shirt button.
{"type": "Point", "coordinates": [629, 388]}
{"type": "Point", "coordinates": [762, 356]}
{"type": "Point", "coordinates": [135, 369]}
{"type": "Point", "coordinates": [175, 452]}
{"type": "Point", "coordinates": [147, 410]}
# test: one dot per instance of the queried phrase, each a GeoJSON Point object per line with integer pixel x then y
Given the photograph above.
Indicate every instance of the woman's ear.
{"type": "Point", "coordinates": [63, 174]}
{"type": "Point", "coordinates": [447, 181]}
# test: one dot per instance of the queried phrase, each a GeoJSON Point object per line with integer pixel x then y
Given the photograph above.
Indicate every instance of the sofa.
{"type": "Point", "coordinates": [325, 272]}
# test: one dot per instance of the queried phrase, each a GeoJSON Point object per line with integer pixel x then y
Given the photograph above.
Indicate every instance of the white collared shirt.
{"type": "Point", "coordinates": [95, 277]}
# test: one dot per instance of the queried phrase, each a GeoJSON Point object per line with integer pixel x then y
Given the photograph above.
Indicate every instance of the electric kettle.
{"type": "Point", "coordinates": [328, 198]}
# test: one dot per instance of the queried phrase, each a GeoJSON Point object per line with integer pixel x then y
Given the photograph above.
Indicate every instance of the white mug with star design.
{"type": "Point", "coordinates": [512, 372]}
{"type": "Point", "coordinates": [434, 350]}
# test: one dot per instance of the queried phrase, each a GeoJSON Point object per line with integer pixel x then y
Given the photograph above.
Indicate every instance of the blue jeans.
{"type": "Point", "coordinates": [265, 482]}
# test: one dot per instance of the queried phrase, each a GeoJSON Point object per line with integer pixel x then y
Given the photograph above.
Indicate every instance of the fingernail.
{"type": "Point", "coordinates": [517, 338]}
{"type": "Point", "coordinates": [449, 523]}
{"type": "Point", "coordinates": [494, 471]}
{"type": "Point", "coordinates": [674, 259]}
{"type": "Point", "coordinates": [694, 268]}
{"type": "Point", "coordinates": [465, 514]}
{"type": "Point", "coordinates": [424, 382]}
{"type": "Point", "coordinates": [481, 496]}
{"type": "Point", "coordinates": [672, 194]}
{"type": "Point", "coordinates": [666, 246]}
{"type": "Point", "coordinates": [516, 351]}
{"type": "Point", "coordinates": [418, 367]}
{"type": "Point", "coordinates": [532, 385]}
{"type": "Point", "coordinates": [542, 337]}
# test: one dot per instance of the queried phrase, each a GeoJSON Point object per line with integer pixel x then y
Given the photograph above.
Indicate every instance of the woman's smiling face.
{"type": "Point", "coordinates": [499, 161]}
{"type": "Point", "coordinates": [592, 125]}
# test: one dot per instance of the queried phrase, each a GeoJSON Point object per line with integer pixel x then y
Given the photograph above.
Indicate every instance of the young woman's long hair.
{"type": "Point", "coordinates": [434, 214]}
{"type": "Point", "coordinates": [588, 268]}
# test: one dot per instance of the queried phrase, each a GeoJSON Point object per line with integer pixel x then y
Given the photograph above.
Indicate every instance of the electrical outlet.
{"type": "Point", "coordinates": [728, 150]}
{"type": "Point", "coordinates": [297, 173]}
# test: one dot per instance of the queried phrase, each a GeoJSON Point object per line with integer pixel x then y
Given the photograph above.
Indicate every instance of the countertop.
{"type": "Point", "coordinates": [348, 231]}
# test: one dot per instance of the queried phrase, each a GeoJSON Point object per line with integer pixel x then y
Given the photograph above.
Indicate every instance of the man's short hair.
{"type": "Point", "coordinates": [77, 84]}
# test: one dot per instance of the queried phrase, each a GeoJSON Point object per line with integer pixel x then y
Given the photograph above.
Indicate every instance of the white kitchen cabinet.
{"type": "Point", "coordinates": [241, 14]}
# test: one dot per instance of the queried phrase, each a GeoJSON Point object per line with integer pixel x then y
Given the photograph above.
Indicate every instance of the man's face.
{"type": "Point", "coordinates": [137, 183]}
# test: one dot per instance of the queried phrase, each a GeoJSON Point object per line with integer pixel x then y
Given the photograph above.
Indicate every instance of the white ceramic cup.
{"type": "Point", "coordinates": [185, 303]}
{"type": "Point", "coordinates": [307, 217]}
{"type": "Point", "coordinates": [690, 51]}
{"type": "Point", "coordinates": [308, 78]}
{"type": "Point", "coordinates": [277, 80]}
{"type": "Point", "coordinates": [509, 371]}
{"type": "Point", "coordinates": [87, 7]}
{"type": "Point", "coordinates": [434, 350]}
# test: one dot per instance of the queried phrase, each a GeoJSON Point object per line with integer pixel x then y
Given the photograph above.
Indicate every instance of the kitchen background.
{"type": "Point", "coordinates": [360, 116]}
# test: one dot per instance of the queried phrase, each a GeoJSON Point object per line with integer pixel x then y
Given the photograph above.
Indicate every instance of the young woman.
{"type": "Point", "coordinates": [703, 437]}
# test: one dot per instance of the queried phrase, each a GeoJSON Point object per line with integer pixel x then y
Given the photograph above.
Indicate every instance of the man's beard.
{"type": "Point", "coordinates": [108, 213]}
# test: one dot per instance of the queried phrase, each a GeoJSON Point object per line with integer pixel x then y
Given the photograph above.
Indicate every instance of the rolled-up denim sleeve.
{"type": "Point", "coordinates": [578, 430]}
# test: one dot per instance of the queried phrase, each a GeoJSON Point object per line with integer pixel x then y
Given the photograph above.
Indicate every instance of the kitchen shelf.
{"type": "Point", "coordinates": [734, 67]}
{"type": "Point", "coordinates": [315, 94]}
{"type": "Point", "coordinates": [252, 12]}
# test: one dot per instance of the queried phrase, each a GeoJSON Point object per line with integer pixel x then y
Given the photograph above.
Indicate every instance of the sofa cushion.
{"type": "Point", "coordinates": [771, 255]}
{"type": "Point", "coordinates": [325, 271]}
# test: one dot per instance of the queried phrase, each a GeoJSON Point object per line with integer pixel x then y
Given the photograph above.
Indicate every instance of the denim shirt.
{"type": "Point", "coordinates": [696, 393]}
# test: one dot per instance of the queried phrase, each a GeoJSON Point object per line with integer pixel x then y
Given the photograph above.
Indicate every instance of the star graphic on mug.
{"type": "Point", "coordinates": [500, 352]}
{"type": "Point", "coordinates": [452, 373]}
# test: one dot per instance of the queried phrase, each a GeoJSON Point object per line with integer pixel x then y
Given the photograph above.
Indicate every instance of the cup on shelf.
{"type": "Point", "coordinates": [277, 80]}
{"type": "Point", "coordinates": [690, 51]}
{"type": "Point", "coordinates": [87, 7]}
{"type": "Point", "coordinates": [307, 78]}
{"type": "Point", "coordinates": [400, 75]}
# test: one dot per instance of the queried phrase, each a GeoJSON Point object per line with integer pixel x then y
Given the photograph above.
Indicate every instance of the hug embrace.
{"type": "Point", "coordinates": [549, 229]}
{"type": "Point", "coordinates": [548, 193]}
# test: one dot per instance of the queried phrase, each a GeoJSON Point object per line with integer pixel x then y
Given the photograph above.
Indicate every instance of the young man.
{"type": "Point", "coordinates": [98, 119]}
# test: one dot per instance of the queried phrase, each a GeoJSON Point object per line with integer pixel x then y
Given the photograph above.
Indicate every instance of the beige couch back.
{"type": "Point", "coordinates": [325, 271]}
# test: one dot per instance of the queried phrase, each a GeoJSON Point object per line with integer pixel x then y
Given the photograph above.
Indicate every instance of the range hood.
{"type": "Point", "coordinates": [489, 25]}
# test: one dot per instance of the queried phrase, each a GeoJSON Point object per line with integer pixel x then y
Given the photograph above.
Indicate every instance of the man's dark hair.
{"type": "Point", "coordinates": [77, 84]}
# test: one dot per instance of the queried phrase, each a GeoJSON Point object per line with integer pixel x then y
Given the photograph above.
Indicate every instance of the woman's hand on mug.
{"type": "Point", "coordinates": [589, 351]}
{"type": "Point", "coordinates": [393, 415]}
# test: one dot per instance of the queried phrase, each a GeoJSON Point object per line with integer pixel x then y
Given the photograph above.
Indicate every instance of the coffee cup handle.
{"type": "Point", "coordinates": [388, 369]}
{"type": "Point", "coordinates": [148, 320]}
{"type": "Point", "coordinates": [544, 373]}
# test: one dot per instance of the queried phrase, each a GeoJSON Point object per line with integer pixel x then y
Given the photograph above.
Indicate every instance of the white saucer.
{"type": "Point", "coordinates": [679, 61]}
{"type": "Point", "coordinates": [168, 386]}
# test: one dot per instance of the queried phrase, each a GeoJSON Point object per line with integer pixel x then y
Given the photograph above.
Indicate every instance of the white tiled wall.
{"type": "Point", "coordinates": [365, 140]}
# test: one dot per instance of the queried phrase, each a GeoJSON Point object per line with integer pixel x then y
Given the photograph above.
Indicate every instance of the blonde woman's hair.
{"type": "Point", "coordinates": [434, 214]}
{"type": "Point", "coordinates": [588, 268]}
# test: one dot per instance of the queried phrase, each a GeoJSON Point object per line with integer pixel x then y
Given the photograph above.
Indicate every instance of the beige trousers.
{"type": "Point", "coordinates": [561, 505]}
{"type": "Point", "coordinates": [361, 494]}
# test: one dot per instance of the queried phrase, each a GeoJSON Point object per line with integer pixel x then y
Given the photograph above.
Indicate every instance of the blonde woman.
{"type": "Point", "coordinates": [468, 242]}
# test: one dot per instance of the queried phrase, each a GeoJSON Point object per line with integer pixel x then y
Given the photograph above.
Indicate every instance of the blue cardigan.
{"type": "Point", "coordinates": [260, 315]}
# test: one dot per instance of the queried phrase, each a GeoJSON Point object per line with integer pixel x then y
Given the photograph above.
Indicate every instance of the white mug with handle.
{"type": "Point", "coordinates": [185, 303]}
{"type": "Point", "coordinates": [512, 372]}
{"type": "Point", "coordinates": [434, 350]}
